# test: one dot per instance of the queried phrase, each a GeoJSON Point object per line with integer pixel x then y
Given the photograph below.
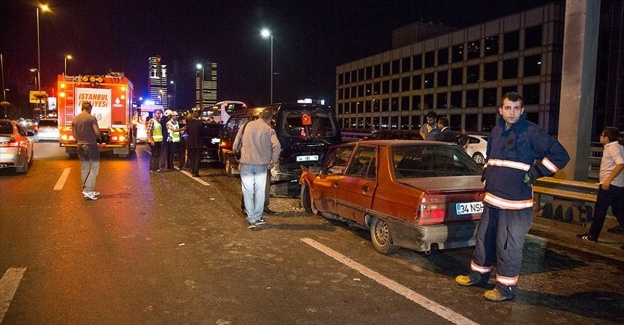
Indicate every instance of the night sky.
{"type": "Point", "coordinates": [310, 39]}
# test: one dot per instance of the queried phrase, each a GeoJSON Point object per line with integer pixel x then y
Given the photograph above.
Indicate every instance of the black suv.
{"type": "Point", "coordinates": [305, 132]}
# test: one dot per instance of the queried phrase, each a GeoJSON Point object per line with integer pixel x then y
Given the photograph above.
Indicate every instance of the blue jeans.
{"type": "Point", "coordinates": [253, 182]}
{"type": "Point", "coordinates": [89, 165]}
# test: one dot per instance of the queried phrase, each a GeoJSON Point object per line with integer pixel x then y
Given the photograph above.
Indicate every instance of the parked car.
{"type": "Point", "coordinates": [211, 134]}
{"type": "Point", "coordinates": [47, 129]}
{"type": "Point", "coordinates": [305, 132]}
{"type": "Point", "coordinates": [409, 193]}
{"type": "Point", "coordinates": [16, 149]}
{"type": "Point", "coordinates": [394, 135]}
{"type": "Point", "coordinates": [477, 148]}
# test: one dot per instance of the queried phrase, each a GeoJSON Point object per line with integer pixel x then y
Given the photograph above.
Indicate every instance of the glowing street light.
{"type": "Point", "coordinates": [67, 57]}
{"type": "Point", "coordinates": [44, 8]}
{"type": "Point", "coordinates": [199, 66]}
{"type": "Point", "coordinates": [174, 93]}
{"type": "Point", "coordinates": [265, 33]}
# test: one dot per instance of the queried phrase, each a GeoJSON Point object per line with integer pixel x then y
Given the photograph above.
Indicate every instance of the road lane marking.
{"type": "Point", "coordinates": [197, 179]}
{"type": "Point", "coordinates": [8, 286]}
{"type": "Point", "coordinates": [406, 292]}
{"type": "Point", "coordinates": [61, 181]}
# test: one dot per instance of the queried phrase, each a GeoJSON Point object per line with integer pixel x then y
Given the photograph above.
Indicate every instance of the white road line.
{"type": "Point", "coordinates": [408, 293]}
{"type": "Point", "coordinates": [61, 181]}
{"type": "Point", "coordinates": [8, 286]}
{"type": "Point", "coordinates": [197, 179]}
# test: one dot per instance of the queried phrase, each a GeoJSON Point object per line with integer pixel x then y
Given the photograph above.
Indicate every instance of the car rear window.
{"type": "Point", "coordinates": [414, 161]}
{"type": "Point", "coordinates": [53, 123]}
{"type": "Point", "coordinates": [6, 128]}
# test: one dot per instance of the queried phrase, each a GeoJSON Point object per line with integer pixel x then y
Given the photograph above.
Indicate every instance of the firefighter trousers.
{"type": "Point", "coordinates": [500, 239]}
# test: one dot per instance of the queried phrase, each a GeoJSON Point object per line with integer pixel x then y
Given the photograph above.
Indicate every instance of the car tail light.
{"type": "Point", "coordinates": [432, 209]}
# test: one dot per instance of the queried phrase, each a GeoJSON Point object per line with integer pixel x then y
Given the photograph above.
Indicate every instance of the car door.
{"type": "Point", "coordinates": [325, 185]}
{"type": "Point", "coordinates": [354, 194]}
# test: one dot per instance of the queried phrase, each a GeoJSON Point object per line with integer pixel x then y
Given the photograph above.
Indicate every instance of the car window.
{"type": "Point", "coordinates": [337, 159]}
{"type": "Point", "coordinates": [6, 128]}
{"type": "Point", "coordinates": [362, 162]}
{"type": "Point", "coordinates": [415, 161]}
{"type": "Point", "coordinates": [52, 123]}
{"type": "Point", "coordinates": [305, 124]}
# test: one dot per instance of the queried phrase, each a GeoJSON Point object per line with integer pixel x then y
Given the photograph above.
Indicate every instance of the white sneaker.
{"type": "Point", "coordinates": [89, 196]}
{"type": "Point", "coordinates": [95, 193]}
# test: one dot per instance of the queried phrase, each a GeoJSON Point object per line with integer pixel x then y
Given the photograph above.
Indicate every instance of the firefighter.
{"type": "Point", "coordinates": [518, 153]}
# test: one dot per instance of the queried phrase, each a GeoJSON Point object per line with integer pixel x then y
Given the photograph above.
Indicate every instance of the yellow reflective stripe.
{"type": "Point", "coordinates": [506, 280]}
{"type": "Point", "coordinates": [508, 163]}
{"type": "Point", "coordinates": [480, 269]}
{"type": "Point", "coordinates": [548, 164]}
{"type": "Point", "coordinates": [507, 204]}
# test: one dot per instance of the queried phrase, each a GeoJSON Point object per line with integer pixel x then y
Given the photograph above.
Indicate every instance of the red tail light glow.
{"type": "Point", "coordinates": [432, 209]}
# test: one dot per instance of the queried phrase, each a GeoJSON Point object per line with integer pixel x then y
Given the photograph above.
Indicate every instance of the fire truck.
{"type": "Point", "coordinates": [111, 98]}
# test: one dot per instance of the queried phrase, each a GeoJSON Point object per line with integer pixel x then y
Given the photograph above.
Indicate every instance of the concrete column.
{"type": "Point", "coordinates": [580, 43]}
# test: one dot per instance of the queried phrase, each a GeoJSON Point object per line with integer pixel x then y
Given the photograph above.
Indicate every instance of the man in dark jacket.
{"type": "Point", "coordinates": [518, 153]}
{"type": "Point", "coordinates": [194, 142]}
{"type": "Point", "coordinates": [446, 134]}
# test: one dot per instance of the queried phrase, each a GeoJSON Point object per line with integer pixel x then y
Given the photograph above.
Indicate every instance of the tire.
{"type": "Point", "coordinates": [381, 237]}
{"type": "Point", "coordinates": [305, 198]}
{"type": "Point", "coordinates": [478, 158]}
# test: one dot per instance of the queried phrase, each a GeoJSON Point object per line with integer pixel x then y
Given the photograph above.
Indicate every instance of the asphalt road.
{"type": "Point", "coordinates": [166, 248]}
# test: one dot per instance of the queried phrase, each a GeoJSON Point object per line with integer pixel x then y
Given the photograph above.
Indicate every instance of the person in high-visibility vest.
{"type": "Point", "coordinates": [155, 139]}
{"type": "Point", "coordinates": [175, 141]}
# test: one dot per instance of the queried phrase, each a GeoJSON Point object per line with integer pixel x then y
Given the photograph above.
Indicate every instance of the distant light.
{"type": "Point", "coordinates": [265, 33]}
{"type": "Point", "coordinates": [149, 102]}
{"type": "Point", "coordinates": [305, 101]}
{"type": "Point", "coordinates": [199, 66]}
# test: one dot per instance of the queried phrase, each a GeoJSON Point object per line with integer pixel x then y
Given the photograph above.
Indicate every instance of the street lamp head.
{"type": "Point", "coordinates": [44, 7]}
{"type": "Point", "coordinates": [199, 66]}
{"type": "Point", "coordinates": [265, 33]}
{"type": "Point", "coordinates": [33, 70]}
{"type": "Point", "coordinates": [171, 82]}
{"type": "Point", "coordinates": [69, 57]}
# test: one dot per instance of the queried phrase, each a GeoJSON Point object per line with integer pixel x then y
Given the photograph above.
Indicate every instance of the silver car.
{"type": "Point", "coordinates": [47, 129]}
{"type": "Point", "coordinates": [16, 149]}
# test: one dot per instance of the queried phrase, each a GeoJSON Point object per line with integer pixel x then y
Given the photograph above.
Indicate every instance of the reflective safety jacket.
{"type": "Point", "coordinates": [174, 134]}
{"type": "Point", "coordinates": [516, 157]}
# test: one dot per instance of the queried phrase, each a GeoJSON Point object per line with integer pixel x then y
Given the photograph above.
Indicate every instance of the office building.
{"type": "Point", "coordinates": [158, 82]}
{"type": "Point", "coordinates": [206, 85]}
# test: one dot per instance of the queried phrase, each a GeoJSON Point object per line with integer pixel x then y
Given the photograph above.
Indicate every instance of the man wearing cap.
{"type": "Point", "coordinates": [175, 141]}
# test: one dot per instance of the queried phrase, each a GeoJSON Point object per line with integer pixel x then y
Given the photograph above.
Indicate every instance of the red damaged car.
{"type": "Point", "coordinates": [408, 193]}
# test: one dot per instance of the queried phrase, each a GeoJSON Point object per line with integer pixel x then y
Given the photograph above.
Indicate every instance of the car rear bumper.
{"type": "Point", "coordinates": [444, 236]}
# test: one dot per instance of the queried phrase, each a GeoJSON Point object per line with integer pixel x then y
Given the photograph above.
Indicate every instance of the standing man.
{"type": "Point", "coordinates": [611, 189]}
{"type": "Point", "coordinates": [462, 139]}
{"type": "Point", "coordinates": [164, 152]}
{"type": "Point", "coordinates": [429, 130]}
{"type": "Point", "coordinates": [446, 134]}
{"type": "Point", "coordinates": [174, 141]}
{"type": "Point", "coordinates": [194, 142]}
{"type": "Point", "coordinates": [259, 151]}
{"type": "Point", "coordinates": [87, 132]}
{"type": "Point", "coordinates": [155, 139]}
{"type": "Point", "coordinates": [518, 153]}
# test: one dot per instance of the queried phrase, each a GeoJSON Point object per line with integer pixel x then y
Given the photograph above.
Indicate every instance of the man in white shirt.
{"type": "Point", "coordinates": [611, 190]}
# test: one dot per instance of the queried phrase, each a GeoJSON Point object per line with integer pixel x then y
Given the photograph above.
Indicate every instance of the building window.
{"type": "Point", "coordinates": [474, 49]}
{"type": "Point", "coordinates": [510, 69]}
{"type": "Point", "coordinates": [395, 66]}
{"type": "Point", "coordinates": [531, 94]}
{"type": "Point", "coordinates": [533, 37]}
{"type": "Point", "coordinates": [369, 73]}
{"type": "Point", "coordinates": [376, 89]}
{"type": "Point", "coordinates": [491, 45]}
{"type": "Point", "coordinates": [361, 92]}
{"type": "Point", "coordinates": [386, 69]}
{"type": "Point", "coordinates": [354, 92]}
{"type": "Point", "coordinates": [394, 104]}
{"type": "Point", "coordinates": [489, 97]}
{"type": "Point", "coordinates": [361, 74]}
{"type": "Point", "coordinates": [472, 74]}
{"type": "Point", "coordinates": [472, 98]}
{"type": "Point", "coordinates": [377, 72]}
{"type": "Point", "coordinates": [341, 93]}
{"type": "Point", "coordinates": [405, 103]}
{"type": "Point", "coordinates": [457, 76]}
{"type": "Point", "coordinates": [385, 88]}
{"type": "Point", "coordinates": [441, 100]}
{"type": "Point", "coordinates": [443, 56]}
{"type": "Point", "coordinates": [512, 41]}
{"type": "Point", "coordinates": [490, 71]}
{"type": "Point", "coordinates": [471, 122]}
{"type": "Point", "coordinates": [340, 79]}
{"type": "Point", "coordinates": [532, 65]}
{"type": "Point", "coordinates": [368, 88]}
{"type": "Point", "coordinates": [384, 105]}
{"type": "Point", "coordinates": [429, 80]}
{"type": "Point", "coordinates": [455, 122]}
{"type": "Point", "coordinates": [354, 76]}
{"type": "Point", "coordinates": [443, 78]}
{"type": "Point", "coordinates": [458, 53]}
{"type": "Point", "coordinates": [340, 109]}
{"type": "Point", "coordinates": [456, 99]}
{"type": "Point", "coordinates": [416, 102]}
{"type": "Point", "coordinates": [417, 62]}
{"type": "Point", "coordinates": [428, 102]}
{"type": "Point", "coordinates": [395, 85]}
{"type": "Point", "coordinates": [405, 84]}
{"type": "Point", "coordinates": [507, 89]}
{"type": "Point", "coordinates": [416, 83]}
{"type": "Point", "coordinates": [347, 78]}
{"type": "Point", "coordinates": [429, 59]}
{"type": "Point", "coordinates": [489, 120]}
{"type": "Point", "coordinates": [406, 65]}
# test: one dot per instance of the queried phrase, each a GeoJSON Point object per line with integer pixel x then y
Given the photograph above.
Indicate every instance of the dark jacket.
{"type": "Point", "coordinates": [194, 130]}
{"type": "Point", "coordinates": [516, 157]}
{"type": "Point", "coordinates": [447, 135]}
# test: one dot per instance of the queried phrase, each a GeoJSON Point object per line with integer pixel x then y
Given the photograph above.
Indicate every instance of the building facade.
{"type": "Point", "coordinates": [158, 82]}
{"type": "Point", "coordinates": [463, 74]}
{"type": "Point", "coordinates": [206, 85]}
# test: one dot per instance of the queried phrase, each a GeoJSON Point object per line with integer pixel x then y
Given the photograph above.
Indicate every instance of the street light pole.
{"type": "Point", "coordinates": [201, 85]}
{"type": "Point", "coordinates": [266, 33]}
{"type": "Point", "coordinates": [67, 57]}
{"type": "Point", "coordinates": [174, 93]}
{"type": "Point", "coordinates": [43, 8]}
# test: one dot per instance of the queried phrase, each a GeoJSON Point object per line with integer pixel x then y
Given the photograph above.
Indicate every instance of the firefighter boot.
{"type": "Point", "coordinates": [464, 280]}
{"type": "Point", "coordinates": [495, 295]}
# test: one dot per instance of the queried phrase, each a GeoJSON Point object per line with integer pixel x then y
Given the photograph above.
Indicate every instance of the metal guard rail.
{"type": "Point", "coordinates": [575, 193]}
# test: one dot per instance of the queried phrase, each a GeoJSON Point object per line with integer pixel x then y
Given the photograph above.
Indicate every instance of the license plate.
{"type": "Point", "coordinates": [308, 158]}
{"type": "Point", "coordinates": [469, 208]}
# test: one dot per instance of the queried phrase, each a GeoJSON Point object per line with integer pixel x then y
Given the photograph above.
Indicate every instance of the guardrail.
{"type": "Point", "coordinates": [569, 199]}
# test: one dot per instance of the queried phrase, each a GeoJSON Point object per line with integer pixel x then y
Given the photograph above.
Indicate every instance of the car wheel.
{"type": "Point", "coordinates": [478, 158]}
{"type": "Point", "coordinates": [306, 199]}
{"type": "Point", "coordinates": [381, 237]}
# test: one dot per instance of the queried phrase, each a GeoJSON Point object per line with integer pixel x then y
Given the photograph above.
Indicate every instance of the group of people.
{"type": "Point", "coordinates": [438, 129]}
{"type": "Point", "coordinates": [519, 152]}
{"type": "Point", "coordinates": [164, 135]}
